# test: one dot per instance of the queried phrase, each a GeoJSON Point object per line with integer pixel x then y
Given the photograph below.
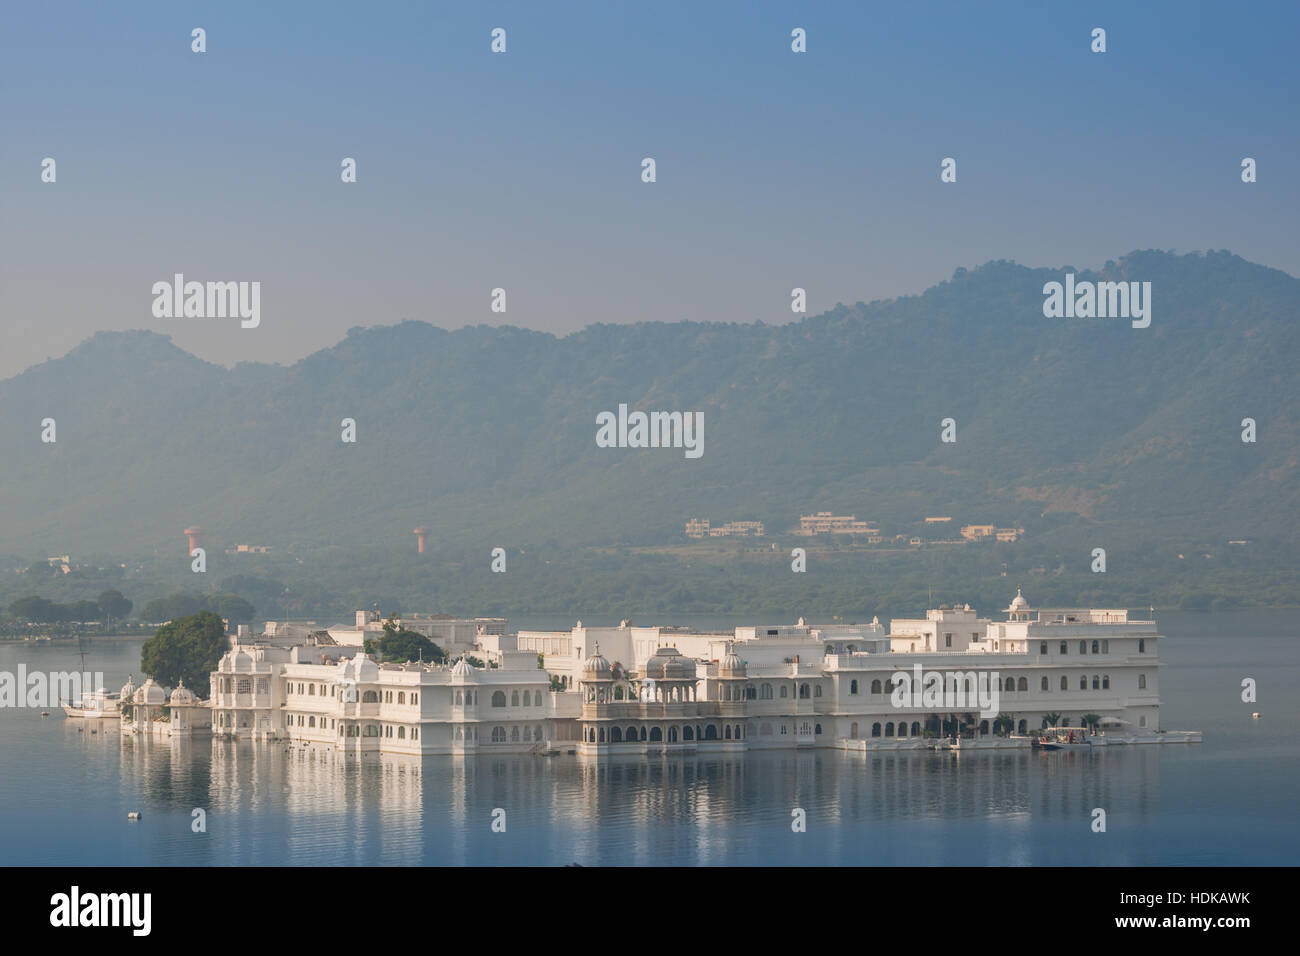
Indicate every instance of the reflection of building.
{"type": "Point", "coordinates": [632, 689]}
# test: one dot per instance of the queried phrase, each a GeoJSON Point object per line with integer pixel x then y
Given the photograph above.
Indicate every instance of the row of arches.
{"type": "Point", "coordinates": [529, 699]}
{"type": "Point", "coordinates": [687, 733]}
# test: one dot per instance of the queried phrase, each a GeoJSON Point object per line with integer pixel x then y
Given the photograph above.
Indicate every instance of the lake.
{"type": "Point", "coordinates": [65, 793]}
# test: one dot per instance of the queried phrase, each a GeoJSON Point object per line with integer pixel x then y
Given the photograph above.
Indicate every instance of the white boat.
{"type": "Point", "coordinates": [95, 705]}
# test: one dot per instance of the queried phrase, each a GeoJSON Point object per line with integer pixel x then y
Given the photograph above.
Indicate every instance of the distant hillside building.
{"type": "Point", "coordinates": [823, 522]}
{"type": "Point", "coordinates": [973, 532]}
{"type": "Point", "coordinates": [700, 528]}
{"type": "Point", "coordinates": [942, 520]}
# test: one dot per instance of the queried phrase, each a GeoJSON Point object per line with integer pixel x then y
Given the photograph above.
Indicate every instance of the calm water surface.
{"type": "Point", "coordinates": [64, 794]}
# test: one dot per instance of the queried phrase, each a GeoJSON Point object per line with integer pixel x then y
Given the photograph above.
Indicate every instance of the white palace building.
{"type": "Point", "coordinates": [598, 691]}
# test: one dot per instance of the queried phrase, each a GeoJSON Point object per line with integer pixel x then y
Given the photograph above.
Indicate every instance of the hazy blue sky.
{"type": "Point", "coordinates": [522, 170]}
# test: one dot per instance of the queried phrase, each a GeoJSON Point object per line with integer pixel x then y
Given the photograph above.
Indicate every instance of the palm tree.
{"type": "Point", "coordinates": [1052, 718]}
{"type": "Point", "coordinates": [1091, 721]}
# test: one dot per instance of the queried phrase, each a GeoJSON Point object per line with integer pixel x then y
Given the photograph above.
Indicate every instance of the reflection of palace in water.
{"type": "Point", "coordinates": [291, 801]}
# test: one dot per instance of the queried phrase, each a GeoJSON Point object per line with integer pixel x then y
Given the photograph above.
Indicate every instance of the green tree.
{"type": "Point", "coordinates": [187, 648]}
{"type": "Point", "coordinates": [403, 645]}
{"type": "Point", "coordinates": [113, 606]}
{"type": "Point", "coordinates": [36, 609]}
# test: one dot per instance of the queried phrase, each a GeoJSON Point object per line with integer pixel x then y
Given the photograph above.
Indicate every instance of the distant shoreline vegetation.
{"type": "Point", "coordinates": [738, 577]}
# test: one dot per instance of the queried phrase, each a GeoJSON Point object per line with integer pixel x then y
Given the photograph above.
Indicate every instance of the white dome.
{"type": "Point", "coordinates": [151, 692]}
{"type": "Point", "coordinates": [669, 664]}
{"type": "Point", "coordinates": [182, 695]}
{"type": "Point", "coordinates": [128, 689]}
{"type": "Point", "coordinates": [597, 665]}
{"type": "Point", "coordinates": [731, 664]}
{"type": "Point", "coordinates": [360, 669]}
{"type": "Point", "coordinates": [463, 669]}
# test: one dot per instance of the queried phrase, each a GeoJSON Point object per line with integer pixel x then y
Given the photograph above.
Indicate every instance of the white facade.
{"type": "Point", "coordinates": [635, 689]}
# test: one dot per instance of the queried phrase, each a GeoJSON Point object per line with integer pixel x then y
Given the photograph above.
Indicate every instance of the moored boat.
{"type": "Point", "coordinates": [95, 705]}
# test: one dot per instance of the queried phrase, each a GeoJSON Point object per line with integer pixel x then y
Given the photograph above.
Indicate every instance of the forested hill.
{"type": "Point", "coordinates": [487, 434]}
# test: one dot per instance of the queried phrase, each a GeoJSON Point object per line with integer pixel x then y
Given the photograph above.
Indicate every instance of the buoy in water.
{"type": "Point", "coordinates": [134, 815]}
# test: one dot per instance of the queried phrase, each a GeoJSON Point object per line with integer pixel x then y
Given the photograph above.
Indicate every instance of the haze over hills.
{"type": "Point", "coordinates": [1081, 430]}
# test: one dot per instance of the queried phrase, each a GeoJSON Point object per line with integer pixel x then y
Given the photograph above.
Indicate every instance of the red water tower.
{"type": "Point", "coordinates": [192, 533]}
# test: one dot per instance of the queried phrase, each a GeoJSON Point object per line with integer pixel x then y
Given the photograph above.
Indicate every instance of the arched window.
{"type": "Point", "coordinates": [710, 732]}
{"type": "Point", "coordinates": [631, 734]}
{"type": "Point", "coordinates": [875, 730]}
{"type": "Point", "coordinates": [514, 698]}
{"type": "Point", "coordinates": [1142, 681]}
{"type": "Point", "coordinates": [1142, 645]}
{"type": "Point", "coordinates": [765, 692]}
{"type": "Point", "coordinates": [1043, 685]}
{"type": "Point", "coordinates": [853, 687]}
{"type": "Point", "coordinates": [1065, 682]}
{"type": "Point", "coordinates": [672, 735]}
{"type": "Point", "coordinates": [875, 687]}
{"type": "Point", "coordinates": [618, 692]}
{"type": "Point", "coordinates": [401, 697]}
{"type": "Point", "coordinates": [401, 733]}
{"type": "Point", "coordinates": [459, 701]}
{"type": "Point", "coordinates": [1065, 648]}
{"type": "Point", "coordinates": [514, 734]}
{"type": "Point", "coordinates": [1095, 647]}
{"type": "Point", "coordinates": [803, 691]}
{"type": "Point", "coordinates": [370, 697]}
{"type": "Point", "coordinates": [1083, 682]}
{"type": "Point", "coordinates": [499, 698]}
{"type": "Point", "coordinates": [916, 728]}
{"type": "Point", "coordinates": [817, 691]}
{"type": "Point", "coordinates": [1011, 684]}
{"type": "Point", "coordinates": [498, 735]}
{"type": "Point", "coordinates": [816, 730]}
{"type": "Point", "coordinates": [1023, 684]}
{"type": "Point", "coordinates": [656, 734]}
{"type": "Point", "coordinates": [1024, 726]}
{"type": "Point", "coordinates": [750, 692]}
{"type": "Point", "coordinates": [537, 732]}
{"type": "Point", "coordinates": [688, 732]}
{"type": "Point", "coordinates": [726, 731]}
{"type": "Point", "coordinates": [889, 729]}
{"type": "Point", "coordinates": [1083, 647]}
{"type": "Point", "coordinates": [738, 733]}
{"type": "Point", "coordinates": [1105, 682]}
{"type": "Point", "coordinates": [902, 728]}
{"type": "Point", "coordinates": [1096, 682]}
{"type": "Point", "coordinates": [643, 733]}
{"type": "Point", "coordinates": [785, 692]}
